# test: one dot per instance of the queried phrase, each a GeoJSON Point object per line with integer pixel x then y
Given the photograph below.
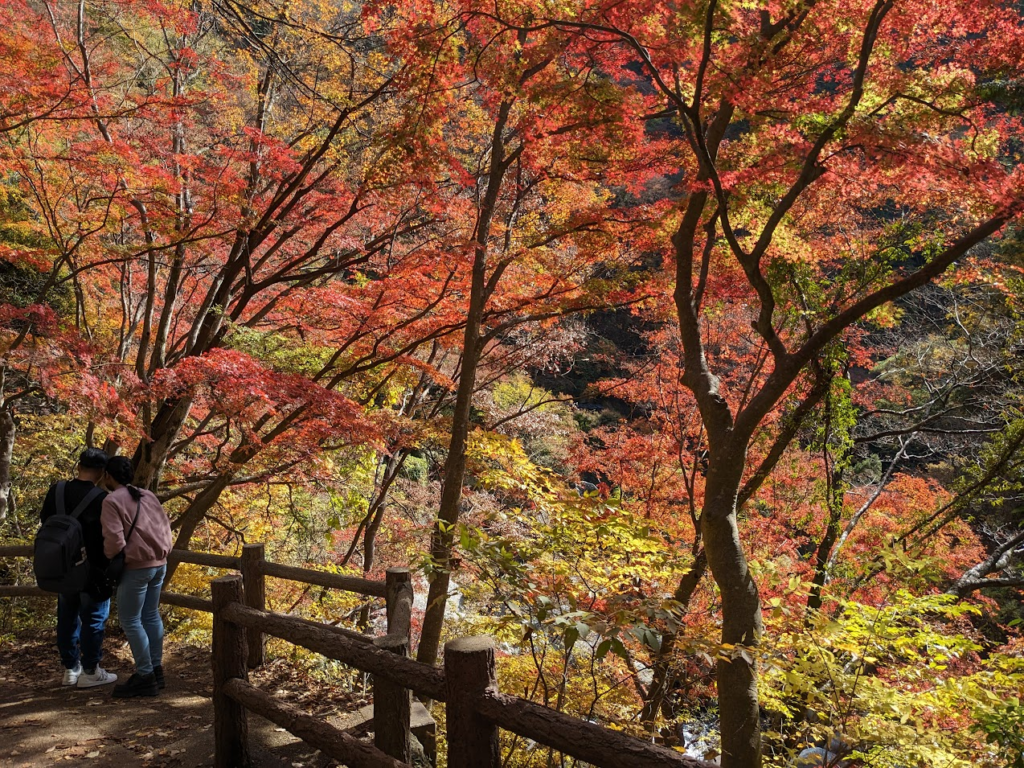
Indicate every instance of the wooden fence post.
{"type": "Point", "coordinates": [469, 671]}
{"type": "Point", "coordinates": [392, 704]}
{"type": "Point", "coordinates": [230, 725]}
{"type": "Point", "coordinates": [398, 583]}
{"type": "Point", "coordinates": [254, 595]}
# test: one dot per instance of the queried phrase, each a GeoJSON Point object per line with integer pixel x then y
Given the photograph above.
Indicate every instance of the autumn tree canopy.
{"type": "Point", "coordinates": [686, 333]}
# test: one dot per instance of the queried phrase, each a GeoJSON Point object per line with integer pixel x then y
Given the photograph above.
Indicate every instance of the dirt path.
{"type": "Point", "coordinates": [43, 723]}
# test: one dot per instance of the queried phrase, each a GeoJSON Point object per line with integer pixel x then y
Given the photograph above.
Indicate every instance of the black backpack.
{"type": "Point", "coordinates": [59, 558]}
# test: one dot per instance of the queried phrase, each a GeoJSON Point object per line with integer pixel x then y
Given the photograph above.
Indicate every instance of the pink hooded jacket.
{"type": "Point", "coordinates": [150, 543]}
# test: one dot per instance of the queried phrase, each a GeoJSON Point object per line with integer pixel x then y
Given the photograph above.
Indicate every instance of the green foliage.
{"type": "Point", "coordinates": [46, 450]}
{"type": "Point", "coordinates": [25, 257]}
{"type": "Point", "coordinates": [1003, 726]}
{"type": "Point", "coordinates": [415, 469]}
{"type": "Point", "coordinates": [279, 351]}
{"type": "Point", "coordinates": [537, 417]}
{"type": "Point", "coordinates": [1000, 458]}
{"type": "Point", "coordinates": [1008, 93]}
{"type": "Point", "coordinates": [900, 681]}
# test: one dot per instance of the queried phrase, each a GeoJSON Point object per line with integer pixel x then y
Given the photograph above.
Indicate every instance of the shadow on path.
{"type": "Point", "coordinates": [45, 724]}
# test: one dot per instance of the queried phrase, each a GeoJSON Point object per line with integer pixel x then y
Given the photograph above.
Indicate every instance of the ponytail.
{"type": "Point", "coordinates": [120, 468]}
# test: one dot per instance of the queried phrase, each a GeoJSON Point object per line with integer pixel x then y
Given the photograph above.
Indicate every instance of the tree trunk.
{"type": "Point", "coordinates": [663, 677]}
{"type": "Point", "coordinates": [7, 431]}
{"type": "Point", "coordinates": [822, 554]}
{"type": "Point", "coordinates": [375, 517]}
{"type": "Point", "coordinates": [741, 613]}
{"type": "Point", "coordinates": [378, 506]}
{"type": "Point", "coordinates": [151, 454]}
{"type": "Point", "coordinates": [442, 538]}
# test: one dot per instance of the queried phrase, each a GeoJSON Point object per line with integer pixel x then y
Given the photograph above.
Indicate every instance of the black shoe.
{"type": "Point", "coordinates": [158, 671]}
{"type": "Point", "coordinates": [137, 685]}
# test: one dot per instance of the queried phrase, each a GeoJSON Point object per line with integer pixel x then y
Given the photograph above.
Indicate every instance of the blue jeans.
{"type": "Point", "coordinates": [81, 620]}
{"type": "Point", "coordinates": [138, 604]}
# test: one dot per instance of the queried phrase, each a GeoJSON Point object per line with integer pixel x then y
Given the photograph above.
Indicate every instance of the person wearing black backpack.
{"type": "Point", "coordinates": [81, 613]}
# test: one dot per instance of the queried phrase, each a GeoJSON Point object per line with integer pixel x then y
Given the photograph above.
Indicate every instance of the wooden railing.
{"type": "Point", "coordinates": [391, 703]}
{"type": "Point", "coordinates": [254, 568]}
{"type": "Point", "coordinates": [467, 684]}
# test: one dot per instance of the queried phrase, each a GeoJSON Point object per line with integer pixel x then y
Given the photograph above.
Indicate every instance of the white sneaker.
{"type": "Point", "coordinates": [71, 675]}
{"type": "Point", "coordinates": [99, 677]}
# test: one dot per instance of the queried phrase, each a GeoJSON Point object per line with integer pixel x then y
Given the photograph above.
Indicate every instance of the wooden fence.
{"type": "Point", "coordinates": [254, 569]}
{"type": "Point", "coordinates": [476, 709]}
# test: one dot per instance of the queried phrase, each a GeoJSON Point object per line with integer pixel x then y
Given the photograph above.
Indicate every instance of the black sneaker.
{"type": "Point", "coordinates": [158, 671]}
{"type": "Point", "coordinates": [137, 685]}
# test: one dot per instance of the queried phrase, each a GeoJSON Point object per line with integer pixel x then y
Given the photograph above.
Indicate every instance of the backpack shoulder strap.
{"type": "Point", "coordinates": [96, 491]}
{"type": "Point", "coordinates": [59, 508]}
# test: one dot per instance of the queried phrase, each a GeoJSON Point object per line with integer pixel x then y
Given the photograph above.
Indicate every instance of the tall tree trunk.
{"type": "Point", "coordinates": [151, 454]}
{"type": "Point", "coordinates": [442, 538]}
{"type": "Point", "coordinates": [7, 431]}
{"type": "Point", "coordinates": [741, 612]}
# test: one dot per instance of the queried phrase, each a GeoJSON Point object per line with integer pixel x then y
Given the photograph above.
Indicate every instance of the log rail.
{"type": "Point", "coordinates": [476, 709]}
{"type": "Point", "coordinates": [467, 684]}
{"type": "Point", "coordinates": [254, 567]}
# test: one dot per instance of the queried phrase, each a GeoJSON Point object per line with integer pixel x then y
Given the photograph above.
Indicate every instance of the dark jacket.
{"type": "Point", "coordinates": [74, 492]}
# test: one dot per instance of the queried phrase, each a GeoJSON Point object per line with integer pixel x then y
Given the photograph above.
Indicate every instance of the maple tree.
{"type": "Point", "coordinates": [223, 207]}
{"type": "Point", "coordinates": [795, 117]}
{"type": "Point", "coordinates": [537, 226]}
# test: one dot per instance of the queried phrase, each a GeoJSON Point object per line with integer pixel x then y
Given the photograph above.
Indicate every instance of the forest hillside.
{"type": "Point", "coordinates": [674, 345]}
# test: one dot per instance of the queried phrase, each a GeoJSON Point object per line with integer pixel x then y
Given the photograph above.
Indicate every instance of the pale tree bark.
{"type": "Point", "coordinates": [7, 432]}
{"type": "Point", "coordinates": [1006, 461]}
{"type": "Point", "coordinates": [1001, 558]}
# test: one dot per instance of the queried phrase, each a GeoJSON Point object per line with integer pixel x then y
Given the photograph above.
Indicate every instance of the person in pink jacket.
{"type": "Point", "coordinates": [134, 521]}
